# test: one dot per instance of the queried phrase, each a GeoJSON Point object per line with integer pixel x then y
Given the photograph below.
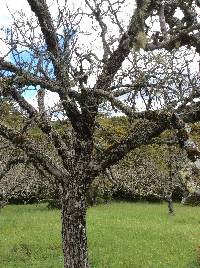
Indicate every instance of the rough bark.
{"type": "Point", "coordinates": [74, 226]}
{"type": "Point", "coordinates": [190, 174]}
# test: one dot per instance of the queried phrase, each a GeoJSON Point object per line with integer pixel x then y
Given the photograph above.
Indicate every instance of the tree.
{"type": "Point", "coordinates": [48, 54]}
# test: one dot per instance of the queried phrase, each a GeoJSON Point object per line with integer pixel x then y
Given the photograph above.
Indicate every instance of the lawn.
{"type": "Point", "coordinates": [121, 235]}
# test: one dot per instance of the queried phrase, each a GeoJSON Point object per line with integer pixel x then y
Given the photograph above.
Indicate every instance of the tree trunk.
{"type": "Point", "coordinates": [74, 226]}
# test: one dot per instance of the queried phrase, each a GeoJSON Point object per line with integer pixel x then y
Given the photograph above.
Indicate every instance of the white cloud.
{"type": "Point", "coordinates": [13, 6]}
{"type": "Point", "coordinates": [7, 8]}
{"type": "Point", "coordinates": [179, 13]}
{"type": "Point", "coordinates": [51, 99]}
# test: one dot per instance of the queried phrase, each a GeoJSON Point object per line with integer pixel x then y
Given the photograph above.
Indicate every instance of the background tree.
{"type": "Point", "coordinates": [48, 54]}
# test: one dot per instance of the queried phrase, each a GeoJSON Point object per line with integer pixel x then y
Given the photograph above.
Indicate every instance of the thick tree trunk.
{"type": "Point", "coordinates": [74, 227]}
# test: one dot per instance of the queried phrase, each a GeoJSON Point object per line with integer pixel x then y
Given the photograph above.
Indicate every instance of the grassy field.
{"type": "Point", "coordinates": [121, 235]}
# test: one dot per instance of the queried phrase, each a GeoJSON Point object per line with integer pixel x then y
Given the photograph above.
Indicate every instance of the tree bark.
{"type": "Point", "coordinates": [74, 226]}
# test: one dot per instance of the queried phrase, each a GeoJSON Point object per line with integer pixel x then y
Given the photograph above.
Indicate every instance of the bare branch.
{"type": "Point", "coordinates": [10, 163]}
{"type": "Point", "coordinates": [41, 10]}
{"type": "Point", "coordinates": [42, 122]}
{"type": "Point", "coordinates": [25, 78]}
{"type": "Point", "coordinates": [115, 102]}
{"type": "Point", "coordinates": [41, 95]}
{"type": "Point", "coordinates": [126, 43]}
{"type": "Point", "coordinates": [33, 151]}
{"type": "Point", "coordinates": [185, 140]}
{"type": "Point", "coordinates": [115, 16]}
{"type": "Point", "coordinates": [183, 37]}
{"type": "Point", "coordinates": [162, 19]}
{"type": "Point", "coordinates": [143, 132]}
{"type": "Point", "coordinates": [97, 13]}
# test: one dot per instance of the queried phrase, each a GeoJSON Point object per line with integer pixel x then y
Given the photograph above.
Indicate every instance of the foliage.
{"type": "Point", "coordinates": [142, 174]}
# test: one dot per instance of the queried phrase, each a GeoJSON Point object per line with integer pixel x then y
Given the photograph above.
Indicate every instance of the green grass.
{"type": "Point", "coordinates": [121, 235]}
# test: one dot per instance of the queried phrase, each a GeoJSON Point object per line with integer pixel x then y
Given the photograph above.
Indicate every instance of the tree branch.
{"type": "Point", "coordinates": [40, 98]}
{"type": "Point", "coordinates": [185, 141]}
{"type": "Point", "coordinates": [143, 132]}
{"type": "Point", "coordinates": [115, 102]}
{"type": "Point", "coordinates": [162, 20]}
{"type": "Point", "coordinates": [11, 162]}
{"type": "Point", "coordinates": [25, 78]}
{"type": "Point", "coordinates": [182, 38]}
{"type": "Point", "coordinates": [33, 151]}
{"type": "Point", "coordinates": [42, 121]}
{"type": "Point", "coordinates": [116, 59]}
{"type": "Point", "coordinates": [151, 126]}
{"type": "Point", "coordinates": [97, 13]}
{"type": "Point", "coordinates": [41, 10]}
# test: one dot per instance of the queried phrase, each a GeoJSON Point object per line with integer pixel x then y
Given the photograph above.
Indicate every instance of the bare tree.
{"type": "Point", "coordinates": [48, 54]}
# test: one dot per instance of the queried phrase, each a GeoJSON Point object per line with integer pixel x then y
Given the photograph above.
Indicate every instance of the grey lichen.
{"type": "Point", "coordinates": [141, 41]}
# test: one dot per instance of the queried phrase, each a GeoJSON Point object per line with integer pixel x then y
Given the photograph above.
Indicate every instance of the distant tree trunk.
{"type": "Point", "coordinates": [170, 205]}
{"type": "Point", "coordinates": [168, 198]}
{"type": "Point", "coordinates": [3, 203]}
{"type": "Point", "coordinates": [74, 225]}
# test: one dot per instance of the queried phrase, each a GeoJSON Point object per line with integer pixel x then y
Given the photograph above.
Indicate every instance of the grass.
{"type": "Point", "coordinates": [121, 235]}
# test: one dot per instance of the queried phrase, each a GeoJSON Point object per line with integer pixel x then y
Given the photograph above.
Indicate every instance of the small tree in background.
{"type": "Point", "coordinates": [49, 54]}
